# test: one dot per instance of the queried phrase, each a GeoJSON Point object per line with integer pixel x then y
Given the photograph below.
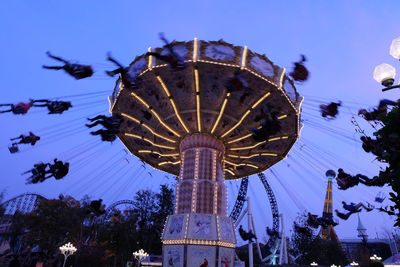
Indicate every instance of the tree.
{"type": "Point", "coordinates": [165, 204]}
{"type": "Point", "coordinates": [16, 232]}
{"type": "Point", "coordinates": [301, 240]}
{"type": "Point", "coordinates": [101, 241]}
{"type": "Point", "coordinates": [152, 210]}
{"type": "Point", "coordinates": [52, 224]}
{"type": "Point", "coordinates": [164, 207]}
{"type": "Point", "coordinates": [139, 228]}
{"type": "Point", "coordinates": [387, 151]}
{"type": "Point", "coordinates": [307, 247]}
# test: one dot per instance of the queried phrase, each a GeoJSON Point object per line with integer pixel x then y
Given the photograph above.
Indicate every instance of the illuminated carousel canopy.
{"type": "Point", "coordinates": [169, 105]}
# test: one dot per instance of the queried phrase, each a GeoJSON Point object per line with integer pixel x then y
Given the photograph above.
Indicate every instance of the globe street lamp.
{"type": "Point", "coordinates": [140, 255]}
{"type": "Point", "coordinates": [385, 73]}
{"type": "Point", "coordinates": [67, 250]}
{"type": "Point", "coordinates": [375, 258]}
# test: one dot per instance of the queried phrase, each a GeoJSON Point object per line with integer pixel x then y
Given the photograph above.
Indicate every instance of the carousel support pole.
{"type": "Point", "coordinates": [249, 214]}
{"type": "Point", "coordinates": [283, 257]}
{"type": "Point", "coordinates": [257, 243]}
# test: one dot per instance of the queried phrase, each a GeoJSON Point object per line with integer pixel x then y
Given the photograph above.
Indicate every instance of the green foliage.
{"type": "Point", "coordinates": [389, 153]}
{"type": "Point", "coordinates": [16, 231]}
{"type": "Point", "coordinates": [152, 210]}
{"type": "Point", "coordinates": [108, 242]}
{"type": "Point", "coordinates": [306, 247]}
{"type": "Point", "coordinates": [52, 224]}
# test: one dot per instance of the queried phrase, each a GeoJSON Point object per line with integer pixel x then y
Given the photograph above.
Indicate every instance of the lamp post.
{"type": "Point", "coordinates": [354, 263]}
{"type": "Point", "coordinates": [140, 255]}
{"type": "Point", "coordinates": [375, 258]}
{"type": "Point", "coordinates": [385, 73]}
{"type": "Point", "coordinates": [67, 250]}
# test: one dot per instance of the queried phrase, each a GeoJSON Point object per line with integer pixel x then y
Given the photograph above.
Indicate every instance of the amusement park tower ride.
{"type": "Point", "coordinates": [329, 231]}
{"type": "Point", "coordinates": [196, 123]}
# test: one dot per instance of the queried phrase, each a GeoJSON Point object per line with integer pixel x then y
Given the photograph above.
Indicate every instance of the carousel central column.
{"type": "Point", "coordinates": [200, 231]}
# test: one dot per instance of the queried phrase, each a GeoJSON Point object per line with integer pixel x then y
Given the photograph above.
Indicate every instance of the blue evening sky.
{"type": "Point", "coordinates": [343, 41]}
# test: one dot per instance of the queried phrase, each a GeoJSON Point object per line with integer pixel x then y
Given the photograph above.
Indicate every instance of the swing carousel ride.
{"type": "Point", "coordinates": [222, 113]}
{"type": "Point", "coordinates": [200, 123]}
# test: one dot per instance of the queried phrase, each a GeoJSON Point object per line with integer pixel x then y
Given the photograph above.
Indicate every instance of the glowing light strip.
{"type": "Point", "coordinates": [284, 92]}
{"type": "Point", "coordinates": [240, 138]}
{"type": "Point", "coordinates": [241, 164]}
{"type": "Point", "coordinates": [196, 77]}
{"type": "Point", "coordinates": [150, 60]}
{"type": "Point", "coordinates": [161, 155]}
{"type": "Point", "coordinates": [260, 100]}
{"type": "Point", "coordinates": [300, 126]}
{"type": "Point", "coordinates": [198, 242]}
{"type": "Point", "coordinates": [215, 209]}
{"type": "Point", "coordinates": [183, 165]}
{"type": "Point", "coordinates": [195, 48]}
{"type": "Point", "coordinates": [281, 79]}
{"type": "Point", "coordinates": [155, 114]}
{"type": "Point", "coordinates": [301, 102]}
{"type": "Point", "coordinates": [147, 140]}
{"type": "Point", "coordinates": [244, 55]}
{"type": "Point", "coordinates": [277, 138]}
{"type": "Point", "coordinates": [147, 127]}
{"type": "Point", "coordinates": [187, 225]}
{"type": "Point", "coordinates": [143, 72]}
{"type": "Point", "coordinates": [246, 114]}
{"type": "Point", "coordinates": [177, 197]}
{"type": "Point", "coordinates": [140, 99]}
{"type": "Point", "coordinates": [169, 162]}
{"type": "Point", "coordinates": [196, 177]}
{"type": "Point", "coordinates": [231, 172]}
{"type": "Point", "coordinates": [237, 124]}
{"type": "Point", "coordinates": [172, 102]}
{"type": "Point", "coordinates": [110, 104]}
{"type": "Point", "coordinates": [218, 63]}
{"type": "Point", "coordinates": [259, 76]}
{"type": "Point", "coordinates": [218, 228]}
{"type": "Point", "coordinates": [221, 112]}
{"type": "Point", "coordinates": [252, 156]}
{"type": "Point", "coordinates": [247, 147]}
{"type": "Point", "coordinates": [282, 117]}
{"type": "Point", "coordinates": [179, 183]}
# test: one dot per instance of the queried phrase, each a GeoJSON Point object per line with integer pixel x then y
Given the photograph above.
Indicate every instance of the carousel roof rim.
{"type": "Point", "coordinates": [149, 140]}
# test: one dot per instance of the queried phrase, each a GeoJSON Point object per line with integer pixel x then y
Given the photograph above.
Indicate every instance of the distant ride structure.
{"type": "Point", "coordinates": [120, 206]}
{"type": "Point", "coordinates": [270, 246]}
{"type": "Point", "coordinates": [192, 124]}
{"type": "Point", "coordinates": [23, 203]}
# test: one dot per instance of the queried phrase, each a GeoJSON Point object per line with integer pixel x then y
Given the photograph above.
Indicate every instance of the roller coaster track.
{"type": "Point", "coordinates": [110, 209]}
{"type": "Point", "coordinates": [241, 198]}
{"type": "Point", "coordinates": [274, 210]}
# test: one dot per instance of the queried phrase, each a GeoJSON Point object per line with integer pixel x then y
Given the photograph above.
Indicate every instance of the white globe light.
{"type": "Point", "coordinates": [395, 48]}
{"type": "Point", "coordinates": [385, 74]}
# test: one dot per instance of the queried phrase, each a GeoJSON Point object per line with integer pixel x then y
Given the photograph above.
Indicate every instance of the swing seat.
{"type": "Point", "coordinates": [380, 197]}
{"type": "Point", "coordinates": [13, 149]}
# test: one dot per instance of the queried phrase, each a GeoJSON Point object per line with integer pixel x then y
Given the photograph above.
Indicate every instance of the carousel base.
{"type": "Point", "coordinates": [193, 240]}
